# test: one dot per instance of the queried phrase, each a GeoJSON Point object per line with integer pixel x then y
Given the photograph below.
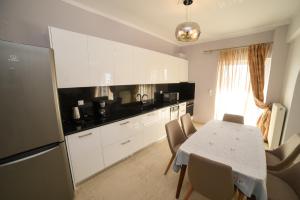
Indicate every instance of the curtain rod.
{"type": "Point", "coordinates": [213, 50]}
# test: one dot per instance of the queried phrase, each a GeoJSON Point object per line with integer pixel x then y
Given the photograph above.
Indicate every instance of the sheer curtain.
{"type": "Point", "coordinates": [233, 93]}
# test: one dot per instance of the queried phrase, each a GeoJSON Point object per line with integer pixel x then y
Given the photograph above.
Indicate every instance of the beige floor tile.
{"type": "Point", "coordinates": [138, 177]}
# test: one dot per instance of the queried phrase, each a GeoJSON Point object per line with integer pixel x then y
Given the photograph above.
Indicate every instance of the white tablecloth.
{"type": "Point", "coordinates": [236, 145]}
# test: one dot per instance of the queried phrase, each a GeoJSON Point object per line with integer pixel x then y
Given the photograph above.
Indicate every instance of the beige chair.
{"type": "Point", "coordinates": [187, 125]}
{"type": "Point", "coordinates": [233, 118]}
{"type": "Point", "coordinates": [175, 138]}
{"type": "Point", "coordinates": [284, 155]}
{"type": "Point", "coordinates": [209, 179]}
{"type": "Point", "coordinates": [284, 184]}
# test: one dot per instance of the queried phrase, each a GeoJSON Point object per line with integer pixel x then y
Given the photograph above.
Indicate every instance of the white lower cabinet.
{"type": "Point", "coordinates": [120, 139]}
{"type": "Point", "coordinates": [182, 109]}
{"type": "Point", "coordinates": [85, 153]}
{"type": "Point", "coordinates": [151, 122]}
{"type": "Point", "coordinates": [164, 118]}
{"type": "Point", "coordinates": [92, 150]}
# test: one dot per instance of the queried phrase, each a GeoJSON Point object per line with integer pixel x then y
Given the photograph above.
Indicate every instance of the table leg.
{"type": "Point", "coordinates": [180, 181]}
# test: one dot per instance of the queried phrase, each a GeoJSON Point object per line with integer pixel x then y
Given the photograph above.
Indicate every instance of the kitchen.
{"type": "Point", "coordinates": [149, 100]}
{"type": "Point", "coordinates": [103, 120]}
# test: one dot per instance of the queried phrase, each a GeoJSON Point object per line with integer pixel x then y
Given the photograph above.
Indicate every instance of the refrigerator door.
{"type": "Point", "coordinates": [45, 175]}
{"type": "Point", "coordinates": [28, 111]}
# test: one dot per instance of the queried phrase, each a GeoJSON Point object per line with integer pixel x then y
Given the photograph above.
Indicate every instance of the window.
{"type": "Point", "coordinates": [233, 93]}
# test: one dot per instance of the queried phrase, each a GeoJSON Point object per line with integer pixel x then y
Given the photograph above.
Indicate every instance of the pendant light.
{"type": "Point", "coordinates": [187, 31]}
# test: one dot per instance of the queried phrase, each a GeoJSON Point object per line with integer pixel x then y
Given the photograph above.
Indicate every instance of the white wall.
{"type": "Point", "coordinates": [203, 69]}
{"type": "Point", "coordinates": [279, 57]}
{"type": "Point", "coordinates": [290, 94]}
{"type": "Point", "coordinates": [27, 22]}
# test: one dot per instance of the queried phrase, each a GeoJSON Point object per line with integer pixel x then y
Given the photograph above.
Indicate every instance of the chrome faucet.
{"type": "Point", "coordinates": [144, 95]}
{"type": "Point", "coordinates": [139, 95]}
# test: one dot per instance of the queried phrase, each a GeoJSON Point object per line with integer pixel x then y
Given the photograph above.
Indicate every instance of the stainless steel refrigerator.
{"type": "Point", "coordinates": [33, 158]}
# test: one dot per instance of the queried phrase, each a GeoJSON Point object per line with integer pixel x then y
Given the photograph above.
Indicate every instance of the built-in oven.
{"type": "Point", "coordinates": [174, 112]}
{"type": "Point", "coordinates": [190, 107]}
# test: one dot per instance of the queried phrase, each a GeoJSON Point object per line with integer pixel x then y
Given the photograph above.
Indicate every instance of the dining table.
{"type": "Point", "coordinates": [239, 146]}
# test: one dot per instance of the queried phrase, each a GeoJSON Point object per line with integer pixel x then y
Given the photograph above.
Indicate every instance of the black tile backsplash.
{"type": "Point", "coordinates": [121, 101]}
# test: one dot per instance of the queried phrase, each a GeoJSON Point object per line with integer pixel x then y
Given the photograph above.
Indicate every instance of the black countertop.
{"type": "Point", "coordinates": [71, 127]}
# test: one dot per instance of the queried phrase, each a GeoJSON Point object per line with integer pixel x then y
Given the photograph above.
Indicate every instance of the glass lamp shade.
{"type": "Point", "coordinates": [187, 32]}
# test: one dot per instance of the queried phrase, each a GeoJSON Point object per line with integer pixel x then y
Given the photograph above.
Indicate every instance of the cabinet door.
{"type": "Point", "coordinates": [121, 139]}
{"type": "Point", "coordinates": [85, 154]}
{"type": "Point", "coordinates": [115, 152]}
{"type": "Point", "coordinates": [164, 118]}
{"type": "Point", "coordinates": [151, 122]}
{"type": "Point", "coordinates": [101, 61]}
{"type": "Point", "coordinates": [123, 58]}
{"type": "Point", "coordinates": [116, 132]}
{"type": "Point", "coordinates": [71, 58]}
{"type": "Point", "coordinates": [141, 62]}
{"type": "Point", "coordinates": [182, 109]}
{"type": "Point", "coordinates": [170, 69]}
{"type": "Point", "coordinates": [183, 70]}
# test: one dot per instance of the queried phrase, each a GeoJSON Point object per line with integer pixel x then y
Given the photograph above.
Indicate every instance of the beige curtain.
{"type": "Point", "coordinates": [233, 91]}
{"type": "Point", "coordinates": [257, 55]}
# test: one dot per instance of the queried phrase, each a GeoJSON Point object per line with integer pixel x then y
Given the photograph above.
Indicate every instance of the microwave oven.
{"type": "Point", "coordinates": [171, 97]}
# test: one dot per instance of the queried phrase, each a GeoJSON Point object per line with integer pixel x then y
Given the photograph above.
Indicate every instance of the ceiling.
{"type": "Point", "coordinates": [218, 19]}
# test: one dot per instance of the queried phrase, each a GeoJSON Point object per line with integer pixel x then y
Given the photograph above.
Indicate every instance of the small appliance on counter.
{"type": "Point", "coordinates": [76, 113]}
{"type": "Point", "coordinates": [171, 97]}
{"type": "Point", "coordinates": [101, 105]}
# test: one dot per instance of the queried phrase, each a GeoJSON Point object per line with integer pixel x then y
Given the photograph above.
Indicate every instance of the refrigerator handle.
{"type": "Point", "coordinates": [28, 157]}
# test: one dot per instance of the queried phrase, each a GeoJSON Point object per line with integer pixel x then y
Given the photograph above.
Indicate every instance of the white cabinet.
{"type": "Point", "coordinates": [182, 109]}
{"type": "Point", "coordinates": [141, 62]}
{"type": "Point", "coordinates": [123, 58]}
{"type": "Point", "coordinates": [92, 150]}
{"type": "Point", "coordinates": [85, 154]}
{"type": "Point", "coordinates": [164, 118]}
{"type": "Point", "coordinates": [183, 70]}
{"type": "Point", "coordinates": [83, 61]}
{"type": "Point", "coordinates": [120, 139]}
{"type": "Point", "coordinates": [71, 58]}
{"type": "Point", "coordinates": [152, 127]}
{"type": "Point", "coordinates": [101, 61]}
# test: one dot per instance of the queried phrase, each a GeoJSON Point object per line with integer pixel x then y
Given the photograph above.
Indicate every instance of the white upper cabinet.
{"type": "Point", "coordinates": [183, 70]}
{"type": "Point", "coordinates": [83, 61]}
{"type": "Point", "coordinates": [101, 61]}
{"type": "Point", "coordinates": [141, 61]}
{"type": "Point", "coordinates": [123, 58]}
{"type": "Point", "coordinates": [71, 58]}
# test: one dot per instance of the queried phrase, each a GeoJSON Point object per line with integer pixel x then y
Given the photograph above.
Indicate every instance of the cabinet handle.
{"type": "Point", "coordinates": [81, 136]}
{"type": "Point", "coordinates": [126, 142]}
{"type": "Point", "coordinates": [124, 123]}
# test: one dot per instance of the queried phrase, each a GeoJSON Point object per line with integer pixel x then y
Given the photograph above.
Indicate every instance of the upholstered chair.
{"type": "Point", "coordinates": [187, 125]}
{"type": "Point", "coordinates": [283, 156]}
{"type": "Point", "coordinates": [175, 138]}
{"type": "Point", "coordinates": [209, 179]}
{"type": "Point", "coordinates": [233, 118]}
{"type": "Point", "coordinates": [284, 184]}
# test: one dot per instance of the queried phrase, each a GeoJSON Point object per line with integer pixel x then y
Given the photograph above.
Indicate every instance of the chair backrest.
{"type": "Point", "coordinates": [211, 179]}
{"type": "Point", "coordinates": [291, 176]}
{"type": "Point", "coordinates": [187, 124]}
{"type": "Point", "coordinates": [233, 118]}
{"type": "Point", "coordinates": [174, 134]}
{"type": "Point", "coordinates": [291, 148]}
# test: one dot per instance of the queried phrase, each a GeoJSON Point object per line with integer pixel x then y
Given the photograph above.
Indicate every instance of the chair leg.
{"type": "Point", "coordinates": [188, 192]}
{"type": "Point", "coordinates": [169, 165]}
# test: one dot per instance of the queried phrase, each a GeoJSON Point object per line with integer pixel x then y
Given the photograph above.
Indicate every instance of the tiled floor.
{"type": "Point", "coordinates": [136, 178]}
{"type": "Point", "coordinates": [139, 177]}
